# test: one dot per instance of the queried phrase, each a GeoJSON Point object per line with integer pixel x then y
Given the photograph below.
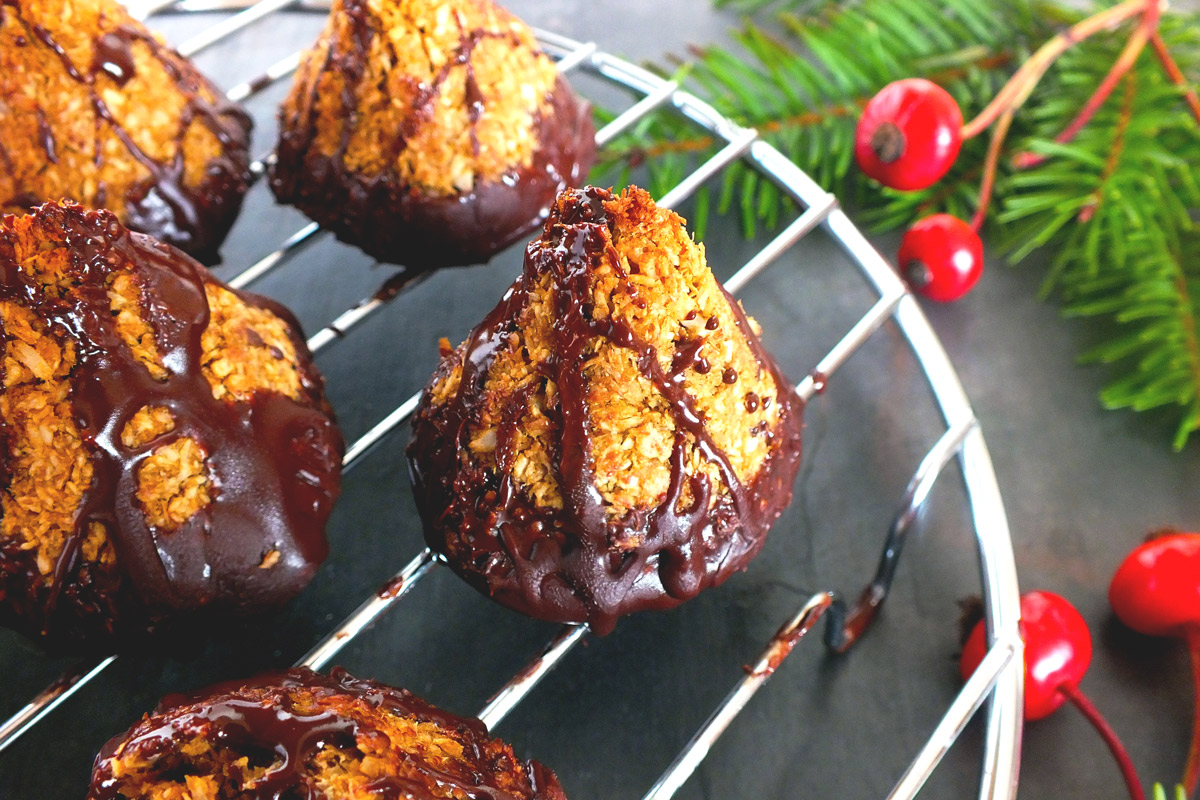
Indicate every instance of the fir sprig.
{"type": "Point", "coordinates": [807, 105]}
{"type": "Point", "coordinates": [1115, 206]}
{"type": "Point", "coordinates": [1160, 793]}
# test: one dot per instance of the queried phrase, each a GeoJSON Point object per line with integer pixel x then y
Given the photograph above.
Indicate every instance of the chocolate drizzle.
{"type": "Point", "coordinates": [399, 223]}
{"type": "Point", "coordinates": [194, 218]}
{"type": "Point", "coordinates": [46, 137]}
{"type": "Point", "coordinates": [273, 463]}
{"type": "Point", "coordinates": [113, 57]}
{"type": "Point", "coordinates": [563, 565]}
{"type": "Point", "coordinates": [260, 718]}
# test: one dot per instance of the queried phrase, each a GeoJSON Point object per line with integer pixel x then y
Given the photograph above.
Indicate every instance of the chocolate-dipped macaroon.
{"type": "Point", "coordinates": [300, 734]}
{"type": "Point", "coordinates": [165, 443]}
{"type": "Point", "coordinates": [429, 134]}
{"type": "Point", "coordinates": [95, 109]}
{"type": "Point", "coordinates": [612, 437]}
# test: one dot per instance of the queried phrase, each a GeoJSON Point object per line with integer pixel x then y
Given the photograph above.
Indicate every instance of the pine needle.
{"type": "Point", "coordinates": [1115, 209]}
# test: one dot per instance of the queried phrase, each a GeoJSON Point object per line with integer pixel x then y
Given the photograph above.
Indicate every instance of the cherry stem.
{"type": "Point", "coordinates": [1025, 79]}
{"type": "Point", "coordinates": [1129, 55]}
{"type": "Point", "coordinates": [1175, 73]}
{"type": "Point", "coordinates": [1191, 771]}
{"type": "Point", "coordinates": [1093, 715]}
{"type": "Point", "coordinates": [989, 169]}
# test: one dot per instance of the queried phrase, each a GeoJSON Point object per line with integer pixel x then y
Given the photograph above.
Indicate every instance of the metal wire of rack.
{"type": "Point", "coordinates": [998, 680]}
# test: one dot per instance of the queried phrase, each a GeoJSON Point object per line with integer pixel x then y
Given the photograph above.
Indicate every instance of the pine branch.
{"type": "Point", "coordinates": [1116, 206]}
{"type": "Point", "coordinates": [808, 106]}
{"type": "Point", "coordinates": [1114, 203]}
{"type": "Point", "coordinates": [1160, 793]}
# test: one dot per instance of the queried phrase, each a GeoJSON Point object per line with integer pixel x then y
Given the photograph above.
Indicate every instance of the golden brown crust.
{"type": "Point", "coordinates": [612, 437]}
{"type": "Point", "coordinates": [126, 299]}
{"type": "Point", "coordinates": [173, 485]}
{"type": "Point", "coordinates": [93, 108]}
{"type": "Point", "coordinates": [661, 288]}
{"type": "Point", "coordinates": [245, 349]}
{"type": "Point", "coordinates": [373, 739]}
{"type": "Point", "coordinates": [48, 467]}
{"type": "Point", "coordinates": [147, 424]}
{"type": "Point", "coordinates": [54, 461]}
{"type": "Point", "coordinates": [428, 133]}
{"type": "Point", "coordinates": [411, 46]}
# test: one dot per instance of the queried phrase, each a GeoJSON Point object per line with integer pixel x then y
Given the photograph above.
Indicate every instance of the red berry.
{"type": "Point", "coordinates": [909, 134]}
{"type": "Point", "coordinates": [941, 257]}
{"type": "Point", "coordinates": [1156, 590]}
{"type": "Point", "coordinates": [1058, 650]}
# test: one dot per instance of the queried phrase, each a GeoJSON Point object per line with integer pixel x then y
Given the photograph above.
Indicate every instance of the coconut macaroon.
{"type": "Point", "coordinates": [95, 109]}
{"type": "Point", "coordinates": [612, 437]}
{"type": "Point", "coordinates": [166, 443]}
{"type": "Point", "coordinates": [429, 133]}
{"type": "Point", "coordinates": [300, 734]}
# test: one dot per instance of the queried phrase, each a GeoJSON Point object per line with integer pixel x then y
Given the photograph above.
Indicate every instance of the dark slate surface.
{"type": "Point", "coordinates": [1080, 486]}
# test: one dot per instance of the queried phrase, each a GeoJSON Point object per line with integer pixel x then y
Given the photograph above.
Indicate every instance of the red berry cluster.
{"type": "Point", "coordinates": [908, 138]}
{"type": "Point", "coordinates": [1155, 591]}
{"type": "Point", "coordinates": [910, 134]}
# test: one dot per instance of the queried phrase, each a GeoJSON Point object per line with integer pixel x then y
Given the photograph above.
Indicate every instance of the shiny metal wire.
{"type": "Point", "coordinates": [996, 683]}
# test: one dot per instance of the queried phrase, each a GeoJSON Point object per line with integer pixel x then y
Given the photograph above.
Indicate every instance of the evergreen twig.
{"type": "Point", "coordinates": [1133, 48]}
{"type": "Point", "coordinates": [1112, 198]}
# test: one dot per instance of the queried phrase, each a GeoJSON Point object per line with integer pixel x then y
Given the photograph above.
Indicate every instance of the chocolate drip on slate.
{"type": "Point", "coordinates": [274, 463]}
{"type": "Point", "coordinates": [398, 223]}
{"type": "Point", "coordinates": [560, 565]}
{"type": "Point", "coordinates": [234, 716]}
{"type": "Point", "coordinates": [193, 218]}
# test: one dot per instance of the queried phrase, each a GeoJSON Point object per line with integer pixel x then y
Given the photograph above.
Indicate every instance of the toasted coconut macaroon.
{"type": "Point", "coordinates": [95, 109]}
{"type": "Point", "coordinates": [300, 734]}
{"type": "Point", "coordinates": [612, 437]}
{"type": "Point", "coordinates": [166, 444]}
{"type": "Point", "coordinates": [429, 134]}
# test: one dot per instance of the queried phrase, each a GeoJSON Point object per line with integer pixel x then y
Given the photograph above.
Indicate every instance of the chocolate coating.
{"type": "Point", "coordinates": [154, 189]}
{"type": "Point", "coordinates": [280, 724]}
{"type": "Point", "coordinates": [577, 562]}
{"type": "Point", "coordinates": [394, 220]}
{"type": "Point", "coordinates": [274, 462]}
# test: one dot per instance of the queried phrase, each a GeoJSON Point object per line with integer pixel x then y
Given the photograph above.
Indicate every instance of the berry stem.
{"type": "Point", "coordinates": [1093, 715]}
{"type": "Point", "coordinates": [1175, 73]}
{"type": "Point", "coordinates": [1146, 29]}
{"type": "Point", "coordinates": [1191, 771]}
{"type": "Point", "coordinates": [1022, 83]}
{"type": "Point", "coordinates": [989, 169]}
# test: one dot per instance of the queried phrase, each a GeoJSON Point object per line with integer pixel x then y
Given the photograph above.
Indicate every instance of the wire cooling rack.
{"type": "Point", "coordinates": [997, 681]}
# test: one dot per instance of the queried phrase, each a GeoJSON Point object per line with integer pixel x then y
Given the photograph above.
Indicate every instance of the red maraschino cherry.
{"type": "Point", "coordinates": [1058, 651]}
{"type": "Point", "coordinates": [1156, 591]}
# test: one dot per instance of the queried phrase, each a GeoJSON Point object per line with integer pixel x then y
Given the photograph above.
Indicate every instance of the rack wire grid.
{"type": "Point", "coordinates": [998, 680]}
